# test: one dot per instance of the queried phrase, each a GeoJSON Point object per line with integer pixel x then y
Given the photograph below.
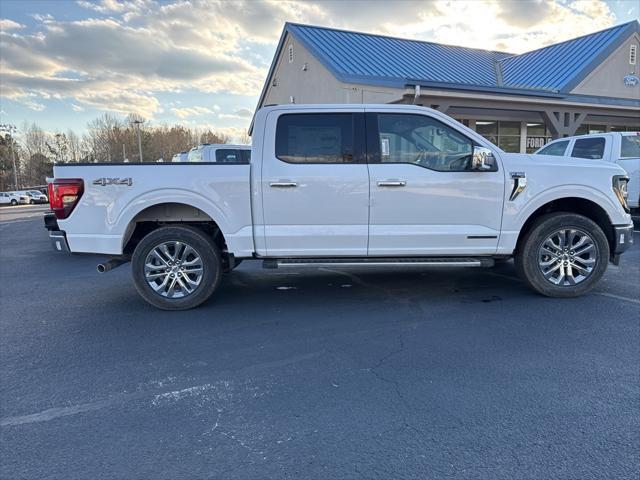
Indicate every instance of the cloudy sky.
{"type": "Point", "coordinates": [203, 62]}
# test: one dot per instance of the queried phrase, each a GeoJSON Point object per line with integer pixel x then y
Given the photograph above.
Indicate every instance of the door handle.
{"type": "Point", "coordinates": [392, 183]}
{"type": "Point", "coordinates": [283, 184]}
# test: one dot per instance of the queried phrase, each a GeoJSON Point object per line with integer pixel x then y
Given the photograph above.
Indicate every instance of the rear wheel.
{"type": "Point", "coordinates": [176, 267]}
{"type": "Point", "coordinates": [563, 255]}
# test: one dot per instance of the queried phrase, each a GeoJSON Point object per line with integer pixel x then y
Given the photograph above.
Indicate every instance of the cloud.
{"type": "Point", "coordinates": [77, 108]}
{"type": "Point", "coordinates": [38, 107]}
{"type": "Point", "coordinates": [240, 114]}
{"type": "Point", "coordinates": [6, 24]}
{"type": "Point", "coordinates": [191, 112]}
{"type": "Point", "coordinates": [124, 55]}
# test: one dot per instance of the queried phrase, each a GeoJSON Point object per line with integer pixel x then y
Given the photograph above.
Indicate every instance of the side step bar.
{"type": "Point", "coordinates": [380, 262]}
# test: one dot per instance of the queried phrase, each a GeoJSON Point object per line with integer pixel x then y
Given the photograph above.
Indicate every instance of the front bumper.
{"type": "Point", "coordinates": [623, 239]}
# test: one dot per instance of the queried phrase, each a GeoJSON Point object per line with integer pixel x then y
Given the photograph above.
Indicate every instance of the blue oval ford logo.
{"type": "Point", "coordinates": [631, 80]}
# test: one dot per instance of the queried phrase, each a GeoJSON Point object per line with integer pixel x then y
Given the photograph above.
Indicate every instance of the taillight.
{"type": "Point", "coordinates": [64, 195]}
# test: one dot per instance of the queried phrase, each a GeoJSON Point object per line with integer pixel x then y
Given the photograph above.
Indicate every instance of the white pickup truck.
{"type": "Point", "coordinates": [622, 148]}
{"type": "Point", "coordinates": [345, 185]}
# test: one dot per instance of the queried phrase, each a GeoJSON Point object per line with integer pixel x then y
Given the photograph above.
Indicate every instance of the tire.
{"type": "Point", "coordinates": [184, 245]}
{"type": "Point", "coordinates": [567, 274]}
{"type": "Point", "coordinates": [14, 203]}
{"type": "Point", "coordinates": [31, 202]}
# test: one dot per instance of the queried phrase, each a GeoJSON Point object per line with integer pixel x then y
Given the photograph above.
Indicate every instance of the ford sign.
{"type": "Point", "coordinates": [631, 80]}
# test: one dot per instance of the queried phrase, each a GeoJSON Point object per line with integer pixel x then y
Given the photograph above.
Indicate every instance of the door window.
{"type": "Point", "coordinates": [315, 138]}
{"type": "Point", "coordinates": [592, 148]}
{"type": "Point", "coordinates": [557, 149]}
{"type": "Point", "coordinates": [423, 141]}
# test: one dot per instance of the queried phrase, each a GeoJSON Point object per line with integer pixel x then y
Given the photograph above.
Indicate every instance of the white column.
{"type": "Point", "coordinates": [523, 137]}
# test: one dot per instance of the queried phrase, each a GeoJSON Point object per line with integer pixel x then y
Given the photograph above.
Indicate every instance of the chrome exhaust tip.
{"type": "Point", "coordinates": [110, 264]}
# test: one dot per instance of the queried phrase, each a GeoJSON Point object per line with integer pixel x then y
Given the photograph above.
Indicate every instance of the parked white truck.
{"type": "Point", "coordinates": [345, 185]}
{"type": "Point", "coordinates": [622, 148]}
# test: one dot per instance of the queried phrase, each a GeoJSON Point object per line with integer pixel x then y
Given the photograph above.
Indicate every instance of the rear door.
{"type": "Point", "coordinates": [424, 199]}
{"type": "Point", "coordinates": [315, 184]}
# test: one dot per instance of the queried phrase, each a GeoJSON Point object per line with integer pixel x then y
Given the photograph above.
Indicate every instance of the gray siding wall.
{"type": "Point", "coordinates": [607, 79]}
{"type": "Point", "coordinates": [317, 84]}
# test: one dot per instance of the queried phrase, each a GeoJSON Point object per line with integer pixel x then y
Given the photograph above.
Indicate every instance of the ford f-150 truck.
{"type": "Point", "coordinates": [345, 185]}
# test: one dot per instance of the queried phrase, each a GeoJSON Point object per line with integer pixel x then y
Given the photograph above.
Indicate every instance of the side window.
{"type": "Point", "coordinates": [315, 138]}
{"type": "Point", "coordinates": [246, 156]}
{"type": "Point", "coordinates": [557, 149]}
{"type": "Point", "coordinates": [228, 155]}
{"type": "Point", "coordinates": [592, 148]}
{"type": "Point", "coordinates": [630, 146]}
{"type": "Point", "coordinates": [422, 141]}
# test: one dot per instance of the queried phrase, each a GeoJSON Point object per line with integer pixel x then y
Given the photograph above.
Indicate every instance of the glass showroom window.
{"type": "Point", "coordinates": [617, 128]}
{"type": "Point", "coordinates": [538, 135]}
{"type": "Point", "coordinates": [504, 134]}
{"type": "Point", "coordinates": [585, 129]}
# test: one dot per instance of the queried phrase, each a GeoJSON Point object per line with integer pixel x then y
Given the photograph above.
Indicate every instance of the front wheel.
{"type": "Point", "coordinates": [563, 255]}
{"type": "Point", "coordinates": [14, 203]}
{"type": "Point", "coordinates": [176, 267]}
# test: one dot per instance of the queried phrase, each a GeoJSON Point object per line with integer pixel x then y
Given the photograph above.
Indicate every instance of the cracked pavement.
{"type": "Point", "coordinates": [314, 374]}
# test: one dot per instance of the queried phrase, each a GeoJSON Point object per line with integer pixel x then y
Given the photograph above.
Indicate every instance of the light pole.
{"type": "Point", "coordinates": [11, 129]}
{"type": "Point", "coordinates": [137, 122]}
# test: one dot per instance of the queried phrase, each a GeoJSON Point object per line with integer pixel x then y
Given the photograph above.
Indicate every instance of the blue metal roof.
{"type": "Point", "coordinates": [557, 67]}
{"type": "Point", "coordinates": [358, 57]}
{"type": "Point", "coordinates": [373, 59]}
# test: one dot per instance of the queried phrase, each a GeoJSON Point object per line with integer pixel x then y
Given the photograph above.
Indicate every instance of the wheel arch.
{"type": "Point", "coordinates": [151, 217]}
{"type": "Point", "coordinates": [573, 204]}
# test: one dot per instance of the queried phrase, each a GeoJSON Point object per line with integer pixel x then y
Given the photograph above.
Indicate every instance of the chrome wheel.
{"type": "Point", "coordinates": [567, 257]}
{"type": "Point", "coordinates": [173, 269]}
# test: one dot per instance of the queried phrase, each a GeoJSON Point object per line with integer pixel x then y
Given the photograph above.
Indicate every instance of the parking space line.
{"type": "Point", "coordinates": [603, 294]}
{"type": "Point", "coordinates": [617, 297]}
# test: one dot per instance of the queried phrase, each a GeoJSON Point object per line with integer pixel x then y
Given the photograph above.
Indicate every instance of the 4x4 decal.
{"type": "Point", "coordinates": [103, 182]}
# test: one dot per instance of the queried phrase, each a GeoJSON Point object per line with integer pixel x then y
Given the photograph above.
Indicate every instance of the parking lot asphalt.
{"type": "Point", "coordinates": [307, 374]}
{"type": "Point", "coordinates": [21, 212]}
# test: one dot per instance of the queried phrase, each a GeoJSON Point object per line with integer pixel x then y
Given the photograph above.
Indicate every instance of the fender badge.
{"type": "Point", "coordinates": [519, 184]}
{"type": "Point", "coordinates": [103, 182]}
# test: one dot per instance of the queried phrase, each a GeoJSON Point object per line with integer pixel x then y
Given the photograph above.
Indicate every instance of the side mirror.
{"type": "Point", "coordinates": [483, 160]}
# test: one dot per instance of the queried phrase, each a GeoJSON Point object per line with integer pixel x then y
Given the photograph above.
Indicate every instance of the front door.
{"type": "Point", "coordinates": [424, 198]}
{"type": "Point", "coordinates": [315, 185]}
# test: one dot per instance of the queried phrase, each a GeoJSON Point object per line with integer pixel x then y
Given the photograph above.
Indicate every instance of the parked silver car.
{"type": "Point", "coordinates": [36, 196]}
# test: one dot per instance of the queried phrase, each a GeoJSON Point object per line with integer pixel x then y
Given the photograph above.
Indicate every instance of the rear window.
{"type": "Point", "coordinates": [315, 138]}
{"type": "Point", "coordinates": [231, 155]}
{"type": "Point", "coordinates": [630, 146]}
{"type": "Point", "coordinates": [592, 148]}
{"type": "Point", "coordinates": [557, 149]}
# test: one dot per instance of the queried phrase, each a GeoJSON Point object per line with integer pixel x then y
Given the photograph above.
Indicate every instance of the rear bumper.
{"type": "Point", "coordinates": [59, 241]}
{"type": "Point", "coordinates": [58, 237]}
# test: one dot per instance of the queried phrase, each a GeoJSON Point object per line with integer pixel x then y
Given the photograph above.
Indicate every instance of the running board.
{"type": "Point", "coordinates": [380, 262]}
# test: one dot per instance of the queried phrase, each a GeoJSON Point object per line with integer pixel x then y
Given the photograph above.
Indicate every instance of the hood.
{"type": "Point", "coordinates": [523, 160]}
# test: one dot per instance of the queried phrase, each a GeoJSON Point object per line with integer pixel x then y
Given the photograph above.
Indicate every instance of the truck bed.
{"type": "Point", "coordinates": [116, 194]}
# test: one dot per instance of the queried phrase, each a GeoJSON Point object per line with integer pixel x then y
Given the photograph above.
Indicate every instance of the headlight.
{"type": "Point", "coordinates": [620, 183]}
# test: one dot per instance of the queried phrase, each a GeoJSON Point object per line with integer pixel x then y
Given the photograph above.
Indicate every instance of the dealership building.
{"type": "Point", "coordinates": [589, 84]}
